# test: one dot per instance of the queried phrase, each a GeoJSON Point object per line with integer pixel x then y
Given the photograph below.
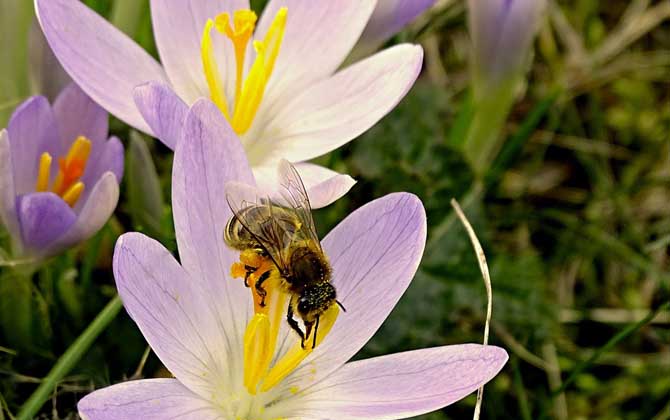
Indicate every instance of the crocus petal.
{"type": "Point", "coordinates": [8, 217]}
{"type": "Point", "coordinates": [324, 186]}
{"type": "Point", "coordinates": [32, 131]}
{"type": "Point", "coordinates": [318, 37]}
{"type": "Point", "coordinates": [77, 115]}
{"type": "Point", "coordinates": [163, 110]}
{"type": "Point", "coordinates": [403, 385]}
{"type": "Point", "coordinates": [100, 58]}
{"type": "Point", "coordinates": [336, 110]}
{"type": "Point", "coordinates": [374, 254]}
{"type": "Point", "coordinates": [47, 76]}
{"type": "Point", "coordinates": [178, 27]}
{"type": "Point", "coordinates": [149, 399]}
{"type": "Point", "coordinates": [389, 18]}
{"type": "Point", "coordinates": [93, 213]}
{"type": "Point", "coordinates": [109, 159]}
{"type": "Point", "coordinates": [208, 156]}
{"type": "Point", "coordinates": [44, 217]}
{"type": "Point", "coordinates": [173, 312]}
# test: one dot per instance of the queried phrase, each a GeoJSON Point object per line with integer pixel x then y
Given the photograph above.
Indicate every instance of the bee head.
{"type": "Point", "coordinates": [315, 300]}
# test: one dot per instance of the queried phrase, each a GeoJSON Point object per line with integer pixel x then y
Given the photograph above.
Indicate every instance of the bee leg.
{"type": "Point", "coordinates": [308, 331]}
{"type": "Point", "coordinates": [294, 324]}
{"type": "Point", "coordinates": [259, 287]}
{"type": "Point", "coordinates": [316, 331]}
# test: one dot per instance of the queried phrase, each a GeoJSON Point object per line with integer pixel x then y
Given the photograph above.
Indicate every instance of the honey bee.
{"type": "Point", "coordinates": [282, 229]}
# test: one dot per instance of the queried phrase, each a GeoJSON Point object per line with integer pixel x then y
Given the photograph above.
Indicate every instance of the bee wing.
{"type": "Point", "coordinates": [294, 196]}
{"type": "Point", "coordinates": [267, 224]}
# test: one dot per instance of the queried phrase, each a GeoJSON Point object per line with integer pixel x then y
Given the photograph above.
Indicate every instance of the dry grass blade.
{"type": "Point", "coordinates": [483, 266]}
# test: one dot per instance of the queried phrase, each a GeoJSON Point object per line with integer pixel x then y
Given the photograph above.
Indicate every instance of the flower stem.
{"type": "Point", "coordinates": [71, 356]}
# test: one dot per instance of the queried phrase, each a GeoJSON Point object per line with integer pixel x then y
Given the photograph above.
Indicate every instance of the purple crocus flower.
{"type": "Point", "coordinates": [389, 18]}
{"type": "Point", "coordinates": [278, 83]}
{"type": "Point", "coordinates": [59, 173]}
{"type": "Point", "coordinates": [199, 320]}
{"type": "Point", "coordinates": [502, 32]}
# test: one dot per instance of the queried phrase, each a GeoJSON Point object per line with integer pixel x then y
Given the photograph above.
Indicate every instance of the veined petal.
{"type": "Point", "coordinates": [93, 213]}
{"type": "Point", "coordinates": [32, 130]}
{"type": "Point", "coordinates": [208, 156]}
{"type": "Point", "coordinates": [8, 217]}
{"type": "Point", "coordinates": [403, 385]}
{"type": "Point", "coordinates": [174, 314]}
{"type": "Point", "coordinates": [109, 159]}
{"type": "Point", "coordinates": [389, 18]}
{"type": "Point", "coordinates": [148, 399]}
{"type": "Point", "coordinates": [318, 37]}
{"type": "Point", "coordinates": [374, 254]}
{"type": "Point", "coordinates": [178, 26]}
{"type": "Point", "coordinates": [323, 185]}
{"type": "Point", "coordinates": [77, 115]}
{"type": "Point", "coordinates": [336, 110]}
{"type": "Point", "coordinates": [163, 110]}
{"type": "Point", "coordinates": [44, 217]}
{"type": "Point", "coordinates": [100, 58]}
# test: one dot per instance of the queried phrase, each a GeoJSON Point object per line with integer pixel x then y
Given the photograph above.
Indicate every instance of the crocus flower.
{"type": "Point", "coordinates": [226, 360]}
{"type": "Point", "coordinates": [276, 80]}
{"type": "Point", "coordinates": [389, 18]}
{"type": "Point", "coordinates": [59, 173]}
{"type": "Point", "coordinates": [502, 32]}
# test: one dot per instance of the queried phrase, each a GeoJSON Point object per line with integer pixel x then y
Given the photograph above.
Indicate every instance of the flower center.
{"type": "Point", "coordinates": [70, 169]}
{"type": "Point", "coordinates": [248, 92]}
{"type": "Point", "coordinates": [260, 338]}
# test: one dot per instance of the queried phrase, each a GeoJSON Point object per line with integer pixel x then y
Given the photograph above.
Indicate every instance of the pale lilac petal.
{"type": "Point", "coordinates": [8, 217]}
{"type": "Point", "coordinates": [148, 399]}
{"type": "Point", "coordinates": [163, 110]}
{"type": "Point", "coordinates": [109, 159]}
{"type": "Point", "coordinates": [77, 115]}
{"type": "Point", "coordinates": [374, 254]}
{"type": "Point", "coordinates": [100, 58]}
{"type": "Point", "coordinates": [178, 28]}
{"type": "Point", "coordinates": [93, 213]}
{"type": "Point", "coordinates": [318, 37]}
{"type": "Point", "coordinates": [173, 312]}
{"type": "Point", "coordinates": [403, 385]}
{"type": "Point", "coordinates": [208, 156]}
{"type": "Point", "coordinates": [336, 110]}
{"type": "Point", "coordinates": [324, 186]}
{"type": "Point", "coordinates": [32, 130]}
{"type": "Point", "coordinates": [389, 18]}
{"type": "Point", "coordinates": [44, 217]}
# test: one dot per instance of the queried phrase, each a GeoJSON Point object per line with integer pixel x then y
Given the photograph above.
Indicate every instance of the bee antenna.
{"type": "Point", "coordinates": [340, 305]}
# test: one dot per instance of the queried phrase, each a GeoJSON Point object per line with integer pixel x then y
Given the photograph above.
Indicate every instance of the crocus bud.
{"type": "Point", "coordinates": [502, 32]}
{"type": "Point", "coordinates": [59, 173]}
{"type": "Point", "coordinates": [388, 18]}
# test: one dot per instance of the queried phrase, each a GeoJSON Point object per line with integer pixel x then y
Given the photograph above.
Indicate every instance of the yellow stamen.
{"type": "Point", "coordinates": [297, 354]}
{"type": "Point", "coordinates": [216, 89]}
{"type": "Point", "coordinates": [73, 193]}
{"type": "Point", "coordinates": [249, 92]}
{"type": "Point", "coordinates": [256, 351]}
{"type": "Point", "coordinates": [244, 22]}
{"type": "Point", "coordinates": [73, 165]}
{"type": "Point", "coordinates": [43, 173]}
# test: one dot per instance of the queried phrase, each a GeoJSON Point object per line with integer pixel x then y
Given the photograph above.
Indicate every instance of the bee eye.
{"type": "Point", "coordinates": [303, 305]}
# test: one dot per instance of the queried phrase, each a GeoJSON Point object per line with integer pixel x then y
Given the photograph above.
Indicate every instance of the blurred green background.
{"type": "Point", "coordinates": [574, 216]}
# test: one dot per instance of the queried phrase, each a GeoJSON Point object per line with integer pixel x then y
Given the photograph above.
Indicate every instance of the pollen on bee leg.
{"type": "Point", "coordinates": [292, 359]}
